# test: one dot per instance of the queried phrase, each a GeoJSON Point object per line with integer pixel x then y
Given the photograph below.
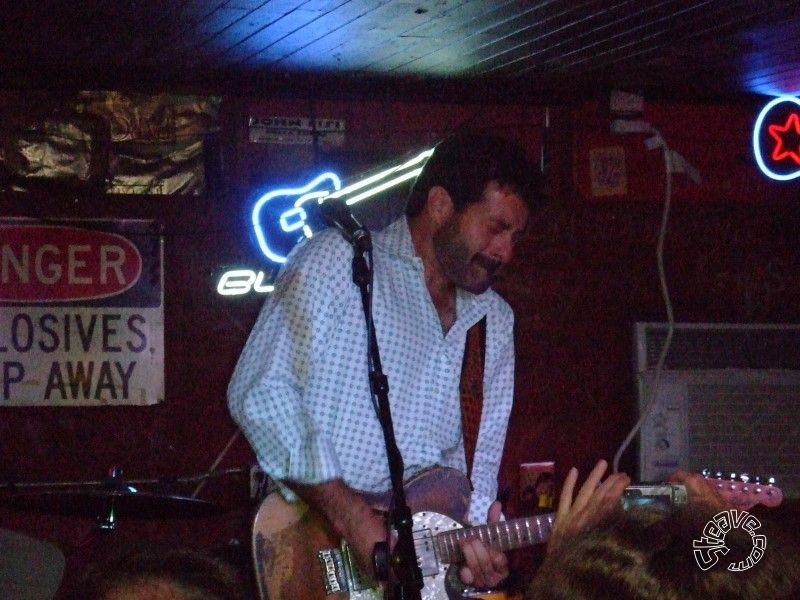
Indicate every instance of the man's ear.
{"type": "Point", "coordinates": [439, 205]}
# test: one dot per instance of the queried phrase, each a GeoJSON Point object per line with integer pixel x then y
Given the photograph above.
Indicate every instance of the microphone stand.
{"type": "Point", "coordinates": [404, 558]}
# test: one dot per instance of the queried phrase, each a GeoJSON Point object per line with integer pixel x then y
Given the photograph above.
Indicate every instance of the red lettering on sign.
{"type": "Point", "coordinates": [59, 264]}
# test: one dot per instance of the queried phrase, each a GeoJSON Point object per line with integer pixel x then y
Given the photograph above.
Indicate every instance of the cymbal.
{"type": "Point", "coordinates": [113, 504]}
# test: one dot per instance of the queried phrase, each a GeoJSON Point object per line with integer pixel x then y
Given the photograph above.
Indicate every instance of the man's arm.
{"type": "Point", "coordinates": [351, 517]}
{"type": "Point", "coordinates": [497, 402]}
{"type": "Point", "coordinates": [483, 566]}
{"type": "Point", "coordinates": [268, 395]}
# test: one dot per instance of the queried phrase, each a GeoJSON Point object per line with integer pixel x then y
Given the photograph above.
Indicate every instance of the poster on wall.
{"type": "Point", "coordinates": [110, 142]}
{"type": "Point", "coordinates": [81, 312]}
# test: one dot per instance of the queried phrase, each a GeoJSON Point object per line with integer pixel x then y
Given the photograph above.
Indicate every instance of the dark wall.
{"type": "Point", "coordinates": [588, 272]}
{"type": "Point", "coordinates": [581, 279]}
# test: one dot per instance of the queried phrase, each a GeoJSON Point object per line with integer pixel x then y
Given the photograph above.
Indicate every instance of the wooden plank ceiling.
{"type": "Point", "coordinates": [537, 48]}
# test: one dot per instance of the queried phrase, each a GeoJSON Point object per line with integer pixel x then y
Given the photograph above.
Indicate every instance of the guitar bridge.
{"type": "Point", "coordinates": [340, 573]}
{"type": "Point", "coordinates": [334, 572]}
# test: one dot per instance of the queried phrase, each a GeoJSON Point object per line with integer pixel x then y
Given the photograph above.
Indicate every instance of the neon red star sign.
{"type": "Point", "coordinates": [781, 134]}
{"type": "Point", "coordinates": [776, 138]}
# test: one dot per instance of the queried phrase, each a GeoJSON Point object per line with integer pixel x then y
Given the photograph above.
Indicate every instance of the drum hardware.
{"type": "Point", "coordinates": [113, 498]}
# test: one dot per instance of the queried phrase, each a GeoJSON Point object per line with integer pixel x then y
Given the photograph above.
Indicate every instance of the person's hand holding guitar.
{"type": "Point", "coordinates": [483, 567]}
{"type": "Point", "coordinates": [351, 517]}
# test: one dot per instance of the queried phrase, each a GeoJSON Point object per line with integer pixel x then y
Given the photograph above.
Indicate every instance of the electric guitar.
{"type": "Point", "coordinates": [298, 555]}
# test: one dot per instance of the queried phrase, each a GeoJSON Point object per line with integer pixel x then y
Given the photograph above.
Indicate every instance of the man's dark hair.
{"type": "Point", "coordinates": [465, 162]}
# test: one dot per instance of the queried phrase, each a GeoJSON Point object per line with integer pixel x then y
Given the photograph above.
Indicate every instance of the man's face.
{"type": "Point", "coordinates": [472, 245]}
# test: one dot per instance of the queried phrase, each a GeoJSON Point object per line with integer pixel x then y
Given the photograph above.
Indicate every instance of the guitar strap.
{"type": "Point", "coordinates": [472, 388]}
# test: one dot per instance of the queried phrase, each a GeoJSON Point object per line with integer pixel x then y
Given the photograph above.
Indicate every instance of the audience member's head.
{"type": "Point", "coordinates": [30, 568]}
{"type": "Point", "coordinates": [647, 555]}
{"type": "Point", "coordinates": [149, 572]}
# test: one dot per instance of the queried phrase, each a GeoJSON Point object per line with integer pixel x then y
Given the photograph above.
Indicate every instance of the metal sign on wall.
{"type": "Point", "coordinates": [81, 313]}
{"type": "Point", "coordinates": [296, 130]}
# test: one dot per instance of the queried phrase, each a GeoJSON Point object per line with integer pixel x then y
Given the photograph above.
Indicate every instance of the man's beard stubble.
{"type": "Point", "coordinates": [474, 273]}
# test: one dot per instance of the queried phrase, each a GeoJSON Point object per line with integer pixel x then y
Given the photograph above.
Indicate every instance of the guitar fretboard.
{"type": "Point", "coordinates": [505, 535]}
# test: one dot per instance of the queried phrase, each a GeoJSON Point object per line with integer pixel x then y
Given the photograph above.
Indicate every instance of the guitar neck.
{"type": "Point", "coordinates": [505, 535]}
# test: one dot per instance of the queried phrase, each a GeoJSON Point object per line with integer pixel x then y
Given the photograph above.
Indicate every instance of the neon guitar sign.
{"type": "Point", "coordinates": [282, 217]}
{"type": "Point", "coordinates": [776, 139]}
{"type": "Point", "coordinates": [292, 217]}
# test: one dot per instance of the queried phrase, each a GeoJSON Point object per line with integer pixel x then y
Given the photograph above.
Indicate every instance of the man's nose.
{"type": "Point", "coordinates": [503, 248]}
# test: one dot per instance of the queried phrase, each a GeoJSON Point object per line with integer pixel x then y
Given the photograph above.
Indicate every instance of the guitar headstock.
{"type": "Point", "coordinates": [744, 491]}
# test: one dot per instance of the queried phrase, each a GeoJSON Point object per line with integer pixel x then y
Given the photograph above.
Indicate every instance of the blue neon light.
{"type": "Point", "coordinates": [279, 216]}
{"type": "Point", "coordinates": [294, 218]}
{"type": "Point", "coordinates": [757, 133]}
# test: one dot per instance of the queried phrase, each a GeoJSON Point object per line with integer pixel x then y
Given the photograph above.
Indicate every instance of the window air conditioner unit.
{"type": "Point", "coordinates": [727, 399]}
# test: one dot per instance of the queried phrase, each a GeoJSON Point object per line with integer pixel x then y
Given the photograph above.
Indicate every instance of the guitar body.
{"type": "Point", "coordinates": [288, 538]}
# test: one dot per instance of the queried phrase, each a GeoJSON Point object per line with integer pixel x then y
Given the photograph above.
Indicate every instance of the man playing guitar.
{"type": "Point", "coordinates": [301, 390]}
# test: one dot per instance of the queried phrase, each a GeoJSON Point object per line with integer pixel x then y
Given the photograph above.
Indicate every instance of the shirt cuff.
{"type": "Point", "coordinates": [313, 461]}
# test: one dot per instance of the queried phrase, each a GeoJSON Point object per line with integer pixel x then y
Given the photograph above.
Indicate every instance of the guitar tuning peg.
{"type": "Point", "coordinates": [745, 479]}
{"type": "Point", "coordinates": [732, 477]}
{"type": "Point", "coordinates": [718, 479]}
{"type": "Point", "coordinates": [706, 473]}
{"type": "Point", "coordinates": [771, 486]}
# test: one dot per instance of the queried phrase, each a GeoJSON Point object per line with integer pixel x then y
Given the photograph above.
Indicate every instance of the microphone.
{"type": "Point", "coordinates": [336, 213]}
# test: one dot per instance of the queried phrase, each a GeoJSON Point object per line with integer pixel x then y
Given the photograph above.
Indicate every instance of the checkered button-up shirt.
{"type": "Point", "coordinates": [300, 391]}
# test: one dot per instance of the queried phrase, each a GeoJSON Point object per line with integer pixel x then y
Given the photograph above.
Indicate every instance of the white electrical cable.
{"type": "Point", "coordinates": [657, 140]}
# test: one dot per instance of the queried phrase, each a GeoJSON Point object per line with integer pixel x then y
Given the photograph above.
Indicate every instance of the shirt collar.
{"type": "Point", "coordinates": [395, 239]}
